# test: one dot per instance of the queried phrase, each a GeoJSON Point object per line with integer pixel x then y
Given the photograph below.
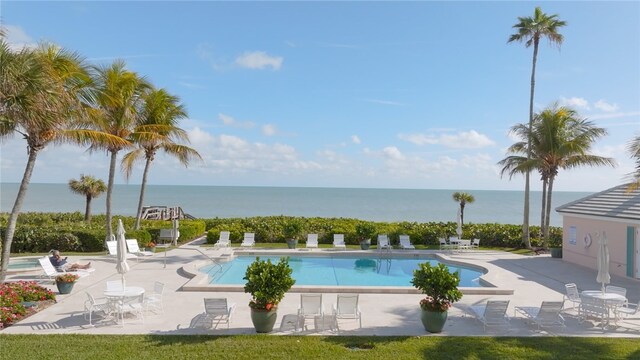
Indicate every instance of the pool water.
{"type": "Point", "coordinates": [17, 265]}
{"type": "Point", "coordinates": [339, 271]}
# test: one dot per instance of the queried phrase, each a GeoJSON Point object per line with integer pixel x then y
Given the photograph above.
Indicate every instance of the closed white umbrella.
{"type": "Point", "coordinates": [459, 229]}
{"type": "Point", "coordinates": [121, 265]}
{"type": "Point", "coordinates": [603, 262]}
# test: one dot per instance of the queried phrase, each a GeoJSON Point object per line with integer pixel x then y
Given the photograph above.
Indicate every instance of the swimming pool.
{"type": "Point", "coordinates": [23, 265]}
{"type": "Point", "coordinates": [340, 271]}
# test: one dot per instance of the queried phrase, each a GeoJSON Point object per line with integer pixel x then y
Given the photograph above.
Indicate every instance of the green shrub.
{"type": "Point", "coordinates": [267, 282]}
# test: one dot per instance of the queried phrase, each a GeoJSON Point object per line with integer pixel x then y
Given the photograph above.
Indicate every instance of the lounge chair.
{"type": "Point", "coordinates": [223, 240]}
{"type": "Point", "coordinates": [93, 305]}
{"type": "Point", "coordinates": [51, 272]}
{"type": "Point", "coordinates": [132, 246]}
{"type": "Point", "coordinates": [547, 315]}
{"type": "Point", "coordinates": [312, 240]}
{"type": "Point", "coordinates": [112, 246]}
{"type": "Point", "coordinates": [475, 244]}
{"type": "Point", "coordinates": [249, 240]}
{"type": "Point", "coordinates": [572, 295]}
{"type": "Point", "coordinates": [346, 307]}
{"type": "Point", "coordinates": [383, 242]}
{"type": "Point", "coordinates": [310, 308]}
{"type": "Point", "coordinates": [405, 242]}
{"type": "Point", "coordinates": [154, 300]}
{"type": "Point", "coordinates": [338, 241]}
{"type": "Point", "coordinates": [493, 313]}
{"type": "Point", "coordinates": [217, 309]}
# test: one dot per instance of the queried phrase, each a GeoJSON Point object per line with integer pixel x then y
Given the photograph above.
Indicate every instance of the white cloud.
{"type": "Point", "coordinates": [576, 102]}
{"type": "Point", "coordinates": [463, 140]}
{"type": "Point", "coordinates": [17, 38]}
{"type": "Point", "coordinates": [615, 115]}
{"type": "Point", "coordinates": [384, 102]}
{"type": "Point", "coordinates": [355, 139]}
{"type": "Point", "coordinates": [231, 121]}
{"type": "Point", "coordinates": [605, 106]}
{"type": "Point", "coordinates": [392, 152]}
{"type": "Point", "coordinates": [259, 60]}
{"type": "Point", "coordinates": [269, 130]}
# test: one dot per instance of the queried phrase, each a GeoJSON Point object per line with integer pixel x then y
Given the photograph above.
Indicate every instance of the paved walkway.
{"type": "Point", "coordinates": [533, 278]}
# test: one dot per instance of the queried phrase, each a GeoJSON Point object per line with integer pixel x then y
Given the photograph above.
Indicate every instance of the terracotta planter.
{"type": "Point", "coordinates": [264, 320]}
{"type": "Point", "coordinates": [433, 321]}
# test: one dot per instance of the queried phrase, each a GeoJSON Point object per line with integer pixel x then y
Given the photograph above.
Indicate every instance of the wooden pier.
{"type": "Point", "coordinates": [164, 213]}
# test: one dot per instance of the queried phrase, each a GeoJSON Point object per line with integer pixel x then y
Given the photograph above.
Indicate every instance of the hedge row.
{"type": "Point", "coordinates": [270, 229]}
{"type": "Point", "coordinates": [41, 232]}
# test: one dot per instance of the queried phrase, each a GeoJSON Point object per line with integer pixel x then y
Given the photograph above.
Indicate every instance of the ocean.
{"type": "Point", "coordinates": [420, 205]}
{"type": "Point", "coordinates": [424, 205]}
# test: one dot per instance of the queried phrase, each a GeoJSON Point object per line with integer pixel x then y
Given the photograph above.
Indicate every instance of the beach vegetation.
{"type": "Point", "coordinates": [463, 199]}
{"type": "Point", "coordinates": [168, 346]}
{"type": "Point", "coordinates": [158, 130]}
{"type": "Point", "coordinates": [561, 139]}
{"type": "Point", "coordinates": [530, 30]}
{"type": "Point", "coordinates": [91, 188]}
{"type": "Point", "coordinates": [43, 92]}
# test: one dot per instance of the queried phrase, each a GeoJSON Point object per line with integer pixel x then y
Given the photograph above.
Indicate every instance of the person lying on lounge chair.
{"type": "Point", "coordinates": [61, 263]}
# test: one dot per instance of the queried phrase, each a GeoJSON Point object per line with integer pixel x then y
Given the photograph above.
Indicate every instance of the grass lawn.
{"type": "Point", "coordinates": [312, 347]}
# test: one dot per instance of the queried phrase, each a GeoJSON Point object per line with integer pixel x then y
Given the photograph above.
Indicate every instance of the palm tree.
{"type": "Point", "coordinates": [42, 93]}
{"type": "Point", "coordinates": [530, 31]}
{"type": "Point", "coordinates": [158, 131]}
{"type": "Point", "coordinates": [634, 151]}
{"type": "Point", "coordinates": [463, 198]}
{"type": "Point", "coordinates": [561, 139]}
{"type": "Point", "coordinates": [90, 187]}
{"type": "Point", "coordinates": [117, 106]}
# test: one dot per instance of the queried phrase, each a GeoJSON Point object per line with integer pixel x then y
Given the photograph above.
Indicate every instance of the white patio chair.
{"type": "Point", "coordinates": [312, 240]}
{"type": "Point", "coordinates": [346, 307]}
{"type": "Point", "coordinates": [443, 244]}
{"type": "Point", "coordinates": [223, 240]}
{"type": "Point", "coordinates": [114, 285]}
{"type": "Point", "coordinates": [112, 246]}
{"type": "Point", "coordinates": [154, 300]}
{"type": "Point", "coordinates": [383, 242]}
{"type": "Point", "coordinates": [249, 240]}
{"type": "Point", "coordinates": [133, 248]}
{"type": "Point", "coordinates": [338, 241]}
{"type": "Point", "coordinates": [493, 313]}
{"type": "Point", "coordinates": [131, 305]}
{"type": "Point", "coordinates": [627, 309]}
{"type": "Point", "coordinates": [217, 309]}
{"type": "Point", "coordinates": [311, 307]}
{"type": "Point", "coordinates": [547, 315]}
{"type": "Point", "coordinates": [591, 307]}
{"type": "Point", "coordinates": [475, 244]}
{"type": "Point", "coordinates": [93, 305]}
{"type": "Point", "coordinates": [572, 295]}
{"type": "Point", "coordinates": [616, 290]}
{"type": "Point", "coordinates": [405, 242]}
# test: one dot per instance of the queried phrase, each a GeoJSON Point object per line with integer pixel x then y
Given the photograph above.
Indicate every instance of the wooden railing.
{"type": "Point", "coordinates": [164, 213]}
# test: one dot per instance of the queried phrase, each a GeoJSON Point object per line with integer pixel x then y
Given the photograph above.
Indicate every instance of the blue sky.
{"type": "Point", "coordinates": [351, 94]}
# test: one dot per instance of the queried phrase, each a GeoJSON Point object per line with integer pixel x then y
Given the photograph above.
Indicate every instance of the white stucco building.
{"type": "Point", "coordinates": [616, 212]}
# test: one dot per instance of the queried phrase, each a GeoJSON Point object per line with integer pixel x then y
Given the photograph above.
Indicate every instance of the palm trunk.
{"type": "Point", "coordinates": [461, 214]}
{"type": "Point", "coordinates": [13, 218]}
{"type": "Point", "coordinates": [112, 170]}
{"type": "Point", "coordinates": [141, 200]}
{"type": "Point", "coordinates": [546, 223]}
{"type": "Point", "coordinates": [525, 222]}
{"type": "Point", "coordinates": [87, 210]}
{"type": "Point", "coordinates": [543, 209]}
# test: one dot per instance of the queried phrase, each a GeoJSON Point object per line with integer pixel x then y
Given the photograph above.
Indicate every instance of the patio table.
{"type": "Point", "coordinates": [609, 300]}
{"type": "Point", "coordinates": [119, 298]}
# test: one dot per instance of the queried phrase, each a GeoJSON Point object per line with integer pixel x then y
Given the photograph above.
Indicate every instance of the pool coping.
{"type": "Point", "coordinates": [200, 281]}
{"type": "Point", "coordinates": [34, 269]}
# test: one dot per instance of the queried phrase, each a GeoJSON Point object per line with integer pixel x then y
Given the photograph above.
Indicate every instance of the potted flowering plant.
{"type": "Point", "coordinates": [291, 231]}
{"type": "Point", "coordinates": [364, 232]}
{"type": "Point", "coordinates": [65, 282]}
{"type": "Point", "coordinates": [441, 289]}
{"type": "Point", "coordinates": [267, 283]}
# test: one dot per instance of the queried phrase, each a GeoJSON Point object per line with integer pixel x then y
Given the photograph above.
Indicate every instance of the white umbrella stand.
{"type": "Point", "coordinates": [121, 264]}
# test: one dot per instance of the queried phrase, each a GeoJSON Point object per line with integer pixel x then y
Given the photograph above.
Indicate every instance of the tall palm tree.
{"type": "Point", "coordinates": [158, 131]}
{"type": "Point", "coordinates": [91, 188]}
{"type": "Point", "coordinates": [561, 140]}
{"type": "Point", "coordinates": [530, 31]}
{"type": "Point", "coordinates": [42, 95]}
{"type": "Point", "coordinates": [634, 150]}
{"type": "Point", "coordinates": [464, 199]}
{"type": "Point", "coordinates": [117, 108]}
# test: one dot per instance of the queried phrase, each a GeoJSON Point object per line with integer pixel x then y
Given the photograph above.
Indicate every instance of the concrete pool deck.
{"type": "Point", "coordinates": [532, 279]}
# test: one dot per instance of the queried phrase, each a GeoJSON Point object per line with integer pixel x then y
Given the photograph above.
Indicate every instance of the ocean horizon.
{"type": "Point", "coordinates": [419, 205]}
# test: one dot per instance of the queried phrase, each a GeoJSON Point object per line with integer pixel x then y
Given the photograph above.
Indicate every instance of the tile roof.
{"type": "Point", "coordinates": [616, 202]}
